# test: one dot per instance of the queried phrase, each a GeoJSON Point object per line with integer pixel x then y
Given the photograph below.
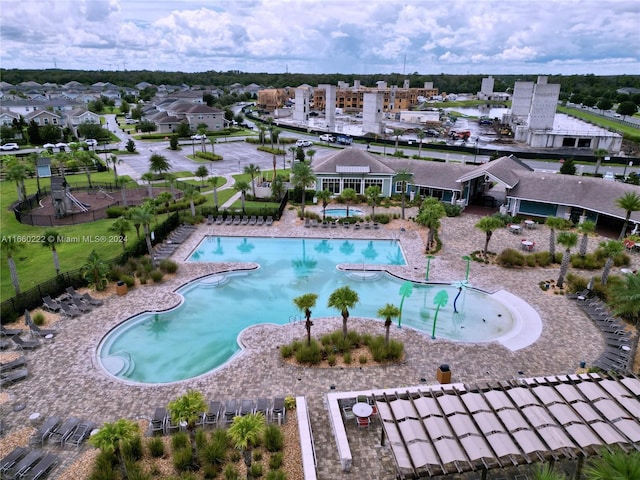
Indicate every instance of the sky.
{"type": "Point", "coordinates": [566, 37]}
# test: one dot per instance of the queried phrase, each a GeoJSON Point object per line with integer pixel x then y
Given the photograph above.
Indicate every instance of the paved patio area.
{"type": "Point", "coordinates": [65, 379]}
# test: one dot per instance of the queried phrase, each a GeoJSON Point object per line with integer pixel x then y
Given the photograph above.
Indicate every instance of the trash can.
{"type": "Point", "coordinates": [121, 288]}
{"type": "Point", "coordinates": [443, 374]}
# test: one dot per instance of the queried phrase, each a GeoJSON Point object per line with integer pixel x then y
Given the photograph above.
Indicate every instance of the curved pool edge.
{"type": "Point", "coordinates": [527, 322]}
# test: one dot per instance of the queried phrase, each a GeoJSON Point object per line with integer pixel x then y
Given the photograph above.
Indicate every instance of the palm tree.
{"type": "Point", "coordinates": [311, 153]}
{"type": "Point", "coordinates": [18, 173]}
{"type": "Point", "coordinates": [388, 312]}
{"type": "Point", "coordinates": [142, 215]}
{"type": "Point", "coordinates": [115, 161]}
{"type": "Point", "coordinates": [245, 433]}
{"type": "Point", "coordinates": [86, 160]}
{"type": "Point", "coordinates": [599, 153]}
{"type": "Point", "coordinates": [242, 187]}
{"type": "Point", "coordinates": [261, 133]}
{"type": "Point", "coordinates": [554, 223]}
{"type": "Point", "coordinates": [567, 240]}
{"type": "Point", "coordinates": [373, 198]}
{"type": "Point", "coordinates": [544, 471]}
{"type": "Point", "coordinates": [396, 133]}
{"type": "Point", "coordinates": [614, 464]}
{"type": "Point", "coordinates": [303, 177]}
{"type": "Point", "coordinates": [630, 202]}
{"type": "Point", "coordinates": [275, 133]}
{"type": "Point", "coordinates": [192, 195]}
{"type": "Point", "coordinates": [488, 225]}
{"type": "Point", "coordinates": [120, 227]}
{"type": "Point", "coordinates": [95, 271]}
{"type": "Point", "coordinates": [403, 176]}
{"type": "Point", "coordinates": [253, 171]}
{"type": "Point", "coordinates": [51, 238]}
{"type": "Point", "coordinates": [148, 177]}
{"type": "Point", "coordinates": [624, 297]}
{"type": "Point", "coordinates": [305, 303]}
{"type": "Point", "coordinates": [585, 228]}
{"type": "Point", "coordinates": [611, 248]}
{"type": "Point", "coordinates": [188, 408]}
{"type": "Point", "coordinates": [202, 173]}
{"type": "Point", "coordinates": [10, 247]}
{"type": "Point", "coordinates": [343, 299]}
{"type": "Point", "coordinates": [430, 214]}
{"type": "Point", "coordinates": [215, 183]}
{"type": "Point", "coordinates": [292, 150]}
{"type": "Point", "coordinates": [159, 164]}
{"type": "Point", "coordinates": [421, 135]}
{"type": "Point", "coordinates": [112, 436]}
{"type": "Point", "coordinates": [324, 196]}
{"type": "Point", "coordinates": [348, 196]}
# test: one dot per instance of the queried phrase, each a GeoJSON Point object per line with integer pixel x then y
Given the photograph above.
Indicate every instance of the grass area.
{"type": "Point", "coordinates": [34, 263]}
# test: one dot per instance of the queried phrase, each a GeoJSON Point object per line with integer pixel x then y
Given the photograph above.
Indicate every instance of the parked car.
{"type": "Point", "coordinates": [303, 143]}
{"type": "Point", "coordinates": [92, 142]}
{"type": "Point", "coordinates": [327, 138]}
{"type": "Point", "coordinates": [10, 146]}
{"type": "Point", "coordinates": [198, 137]}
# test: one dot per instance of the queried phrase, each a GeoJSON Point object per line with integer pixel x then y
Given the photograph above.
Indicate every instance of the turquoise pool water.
{"type": "Point", "coordinates": [201, 334]}
{"type": "Point", "coordinates": [342, 212]}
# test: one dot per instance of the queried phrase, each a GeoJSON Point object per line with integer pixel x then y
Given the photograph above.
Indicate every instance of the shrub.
{"type": "Point", "coordinates": [235, 456]}
{"type": "Point", "coordinates": [156, 276]}
{"type": "Point", "coordinates": [179, 440]}
{"type": "Point", "coordinates": [156, 447]}
{"type": "Point", "coordinates": [289, 402]}
{"type": "Point", "coordinates": [286, 351]}
{"type": "Point", "coordinates": [588, 262]}
{"type": "Point", "coordinates": [168, 266]}
{"type": "Point", "coordinates": [200, 438]}
{"type": "Point", "coordinates": [452, 210]}
{"type": "Point", "coordinates": [331, 360]}
{"type": "Point", "coordinates": [104, 467]}
{"type": "Point", "coordinates": [530, 260]}
{"type": "Point", "coordinates": [311, 354]}
{"type": "Point", "coordinates": [256, 469]}
{"type": "Point", "coordinates": [116, 212]}
{"type": "Point", "coordinates": [38, 318]}
{"type": "Point", "coordinates": [128, 280]}
{"type": "Point", "coordinates": [132, 450]}
{"type": "Point", "coordinates": [363, 359]}
{"type": "Point", "coordinates": [276, 460]}
{"type": "Point", "coordinates": [213, 453]}
{"type": "Point", "coordinates": [382, 352]}
{"type": "Point", "coordinates": [276, 475]}
{"type": "Point", "coordinates": [543, 259]}
{"type": "Point", "coordinates": [220, 436]}
{"type": "Point", "coordinates": [183, 458]}
{"type": "Point", "coordinates": [273, 438]}
{"type": "Point", "coordinates": [347, 358]}
{"type": "Point", "coordinates": [116, 272]}
{"type": "Point", "coordinates": [210, 471]}
{"type": "Point", "coordinates": [510, 258]}
{"type": "Point", "coordinates": [257, 455]}
{"type": "Point", "coordinates": [136, 472]}
{"type": "Point", "coordinates": [231, 472]}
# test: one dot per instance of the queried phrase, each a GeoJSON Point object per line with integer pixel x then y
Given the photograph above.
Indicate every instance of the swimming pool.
{"type": "Point", "coordinates": [342, 212]}
{"type": "Point", "coordinates": [201, 334]}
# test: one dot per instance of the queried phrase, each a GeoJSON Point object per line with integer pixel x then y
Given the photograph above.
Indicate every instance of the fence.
{"type": "Point", "coordinates": [56, 286]}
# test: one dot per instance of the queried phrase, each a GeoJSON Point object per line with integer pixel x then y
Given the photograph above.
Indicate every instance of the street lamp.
{"type": "Point", "coordinates": [475, 156]}
{"type": "Point", "coordinates": [429, 258]}
{"type": "Point", "coordinates": [624, 174]}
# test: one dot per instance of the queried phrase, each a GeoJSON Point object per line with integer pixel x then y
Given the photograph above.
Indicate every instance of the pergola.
{"type": "Point", "coordinates": [454, 430]}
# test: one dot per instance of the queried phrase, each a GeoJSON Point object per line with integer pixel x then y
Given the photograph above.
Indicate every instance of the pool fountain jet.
{"type": "Point", "coordinates": [459, 285]}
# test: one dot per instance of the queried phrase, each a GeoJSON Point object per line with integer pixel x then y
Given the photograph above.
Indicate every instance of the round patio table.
{"type": "Point", "coordinates": [362, 410]}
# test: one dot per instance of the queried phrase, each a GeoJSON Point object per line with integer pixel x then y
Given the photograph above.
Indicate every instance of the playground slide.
{"type": "Point", "coordinates": [84, 207]}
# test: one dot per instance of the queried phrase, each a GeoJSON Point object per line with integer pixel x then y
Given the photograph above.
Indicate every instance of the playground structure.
{"type": "Point", "coordinates": [63, 200]}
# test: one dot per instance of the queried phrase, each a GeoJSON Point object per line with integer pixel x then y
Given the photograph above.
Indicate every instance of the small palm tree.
{"type": "Point", "coordinates": [373, 198]}
{"type": "Point", "coordinates": [324, 196]}
{"type": "Point", "coordinates": [86, 159]}
{"type": "Point", "coordinates": [397, 132]}
{"type": "Point", "coordinates": [51, 238]}
{"type": "Point", "coordinates": [488, 225]}
{"type": "Point", "coordinates": [95, 271]}
{"type": "Point", "coordinates": [624, 297]}
{"type": "Point", "coordinates": [245, 433]}
{"type": "Point", "coordinates": [545, 472]}
{"type": "Point", "coordinates": [554, 223]}
{"type": "Point", "coordinates": [115, 161]}
{"type": "Point", "coordinates": [420, 135]}
{"type": "Point", "coordinates": [630, 202]}
{"type": "Point", "coordinates": [305, 303]}
{"type": "Point", "coordinates": [599, 153]}
{"type": "Point", "coordinates": [253, 171]}
{"type": "Point", "coordinates": [404, 176]}
{"type": "Point", "coordinates": [120, 227]}
{"type": "Point", "coordinates": [112, 436]}
{"type": "Point", "coordinates": [242, 187]}
{"type": "Point", "coordinates": [148, 177]}
{"type": "Point", "coordinates": [311, 152]}
{"type": "Point", "coordinates": [303, 177]}
{"type": "Point", "coordinates": [215, 183]}
{"type": "Point", "coordinates": [430, 214]}
{"type": "Point", "coordinates": [192, 195]}
{"type": "Point", "coordinates": [18, 173]}
{"type": "Point", "coordinates": [142, 215]}
{"type": "Point", "coordinates": [159, 164]}
{"type": "Point", "coordinates": [585, 228]}
{"type": "Point", "coordinates": [611, 248]}
{"type": "Point", "coordinates": [10, 247]}
{"type": "Point", "coordinates": [188, 408]}
{"type": "Point", "coordinates": [567, 240]}
{"type": "Point", "coordinates": [388, 312]}
{"type": "Point", "coordinates": [615, 464]}
{"type": "Point", "coordinates": [343, 299]}
{"type": "Point", "coordinates": [348, 196]}
{"type": "Point", "coordinates": [202, 173]}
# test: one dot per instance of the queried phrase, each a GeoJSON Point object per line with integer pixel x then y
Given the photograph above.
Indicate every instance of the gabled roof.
{"type": "Point", "coordinates": [38, 113]}
{"type": "Point", "coordinates": [590, 193]}
{"type": "Point", "coordinates": [431, 174]}
{"type": "Point", "coordinates": [350, 157]}
{"type": "Point", "coordinates": [504, 170]}
{"type": "Point", "coordinates": [185, 107]}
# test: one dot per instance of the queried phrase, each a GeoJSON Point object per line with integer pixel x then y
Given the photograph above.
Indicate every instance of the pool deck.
{"type": "Point", "coordinates": [65, 379]}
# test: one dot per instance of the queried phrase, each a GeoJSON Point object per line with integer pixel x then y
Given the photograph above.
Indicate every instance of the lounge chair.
{"type": "Point", "coordinates": [262, 406]}
{"type": "Point", "coordinates": [64, 432]}
{"type": "Point", "coordinates": [219, 220]}
{"type": "Point", "coordinates": [247, 407]}
{"type": "Point", "coordinates": [81, 305]}
{"type": "Point", "coordinates": [158, 420]}
{"type": "Point", "coordinates": [253, 220]}
{"type": "Point", "coordinates": [228, 220]}
{"type": "Point", "coordinates": [212, 416]}
{"type": "Point", "coordinates": [269, 221]}
{"type": "Point", "coordinates": [13, 376]}
{"type": "Point", "coordinates": [209, 219]}
{"type": "Point", "coordinates": [51, 304]}
{"type": "Point", "coordinates": [92, 301]}
{"type": "Point", "coordinates": [245, 220]}
{"type": "Point", "coordinates": [21, 467]}
{"type": "Point", "coordinates": [26, 344]}
{"type": "Point", "coordinates": [278, 410]}
{"type": "Point", "coordinates": [49, 425]}
{"type": "Point", "coordinates": [10, 332]}
{"type": "Point", "coordinates": [307, 222]}
{"type": "Point", "coordinates": [237, 220]}
{"type": "Point", "coordinates": [35, 329]}
{"type": "Point", "coordinates": [230, 410]}
{"type": "Point", "coordinates": [260, 221]}
{"type": "Point", "coordinates": [4, 344]}
{"type": "Point", "coordinates": [18, 362]}
{"type": "Point", "coordinates": [42, 468]}
{"type": "Point", "coordinates": [74, 294]}
{"type": "Point", "coordinates": [81, 433]}
{"type": "Point", "coordinates": [12, 458]}
{"type": "Point", "coordinates": [170, 425]}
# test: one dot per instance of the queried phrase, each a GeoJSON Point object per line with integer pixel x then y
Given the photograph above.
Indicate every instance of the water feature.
{"type": "Point", "coordinates": [342, 212]}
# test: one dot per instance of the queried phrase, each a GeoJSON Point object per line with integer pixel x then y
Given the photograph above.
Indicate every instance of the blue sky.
{"type": "Point", "coordinates": [307, 36]}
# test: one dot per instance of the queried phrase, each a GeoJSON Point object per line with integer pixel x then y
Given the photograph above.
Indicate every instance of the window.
{"type": "Point", "coordinates": [331, 184]}
{"type": "Point", "coordinates": [355, 183]}
{"type": "Point", "coordinates": [373, 182]}
{"type": "Point", "coordinates": [398, 187]}
{"type": "Point", "coordinates": [46, 121]}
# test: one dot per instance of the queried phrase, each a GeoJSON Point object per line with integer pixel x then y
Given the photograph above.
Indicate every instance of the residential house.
{"type": "Point", "coordinates": [44, 117]}
{"type": "Point", "coordinates": [79, 116]}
